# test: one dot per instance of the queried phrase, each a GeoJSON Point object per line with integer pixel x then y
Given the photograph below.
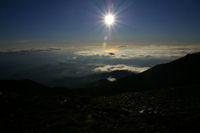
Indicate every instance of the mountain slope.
{"type": "Point", "coordinates": [183, 71]}
{"type": "Point", "coordinates": [84, 81]}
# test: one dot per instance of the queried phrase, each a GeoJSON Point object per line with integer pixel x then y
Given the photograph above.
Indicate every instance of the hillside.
{"type": "Point", "coordinates": [183, 71]}
{"type": "Point", "coordinates": [88, 80]}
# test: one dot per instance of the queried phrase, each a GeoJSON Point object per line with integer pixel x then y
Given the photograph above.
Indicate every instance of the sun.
{"type": "Point", "coordinates": [109, 19]}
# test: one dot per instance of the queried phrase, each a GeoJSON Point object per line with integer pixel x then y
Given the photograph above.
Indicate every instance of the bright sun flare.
{"type": "Point", "coordinates": [109, 19]}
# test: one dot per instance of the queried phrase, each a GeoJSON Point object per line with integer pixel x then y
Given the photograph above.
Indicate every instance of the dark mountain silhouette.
{"type": "Point", "coordinates": [17, 84]}
{"type": "Point", "coordinates": [27, 86]}
{"type": "Point", "coordinates": [88, 80]}
{"type": "Point", "coordinates": [181, 72]}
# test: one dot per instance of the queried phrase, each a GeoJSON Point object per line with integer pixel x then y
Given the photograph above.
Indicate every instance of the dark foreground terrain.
{"type": "Point", "coordinates": [157, 111]}
{"type": "Point", "coordinates": [163, 99]}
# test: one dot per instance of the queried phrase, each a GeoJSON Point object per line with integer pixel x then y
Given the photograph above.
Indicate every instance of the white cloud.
{"type": "Point", "coordinates": [150, 51]}
{"type": "Point", "coordinates": [110, 68]}
{"type": "Point", "coordinates": [93, 52]}
{"type": "Point", "coordinates": [74, 57]}
{"type": "Point", "coordinates": [111, 79]}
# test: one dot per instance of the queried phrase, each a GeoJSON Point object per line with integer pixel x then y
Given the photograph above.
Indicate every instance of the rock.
{"type": "Point", "coordinates": [141, 111]}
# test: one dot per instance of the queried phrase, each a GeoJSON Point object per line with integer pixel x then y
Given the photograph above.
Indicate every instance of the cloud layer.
{"type": "Point", "coordinates": [111, 79]}
{"type": "Point", "coordinates": [150, 51]}
{"type": "Point", "coordinates": [110, 68]}
{"type": "Point", "coordinates": [51, 63]}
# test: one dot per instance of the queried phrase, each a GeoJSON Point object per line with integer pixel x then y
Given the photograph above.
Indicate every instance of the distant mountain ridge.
{"type": "Point", "coordinates": [85, 81]}
{"type": "Point", "coordinates": [183, 71]}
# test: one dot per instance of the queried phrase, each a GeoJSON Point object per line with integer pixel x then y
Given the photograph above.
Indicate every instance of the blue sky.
{"type": "Point", "coordinates": [29, 23]}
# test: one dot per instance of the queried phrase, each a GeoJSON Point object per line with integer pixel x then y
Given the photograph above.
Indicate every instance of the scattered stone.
{"type": "Point", "coordinates": [141, 111]}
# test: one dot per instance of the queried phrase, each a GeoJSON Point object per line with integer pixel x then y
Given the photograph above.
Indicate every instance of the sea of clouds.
{"type": "Point", "coordinates": [51, 63]}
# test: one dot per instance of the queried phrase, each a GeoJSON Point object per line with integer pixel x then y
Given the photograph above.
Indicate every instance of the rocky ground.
{"type": "Point", "coordinates": [155, 111]}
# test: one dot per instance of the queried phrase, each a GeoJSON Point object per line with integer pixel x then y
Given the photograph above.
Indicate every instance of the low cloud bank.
{"type": "Point", "coordinates": [28, 50]}
{"type": "Point", "coordinates": [110, 68]}
{"type": "Point", "coordinates": [131, 52]}
{"type": "Point", "coordinates": [111, 79]}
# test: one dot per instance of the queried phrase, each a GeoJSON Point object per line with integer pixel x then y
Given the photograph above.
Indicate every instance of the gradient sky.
{"type": "Point", "coordinates": [70, 22]}
{"type": "Point", "coordinates": [47, 40]}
